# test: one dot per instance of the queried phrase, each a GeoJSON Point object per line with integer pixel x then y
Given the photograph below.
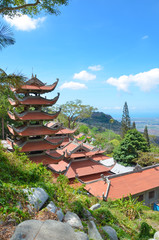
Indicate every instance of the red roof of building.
{"type": "Point", "coordinates": [125, 184]}
{"type": "Point", "coordinates": [66, 131]}
{"type": "Point", "coordinates": [83, 154]}
{"type": "Point", "coordinates": [33, 130]}
{"type": "Point", "coordinates": [59, 167]}
{"type": "Point", "coordinates": [94, 177]}
{"type": "Point", "coordinates": [84, 168]}
{"type": "Point", "coordinates": [40, 145]}
{"type": "Point", "coordinates": [99, 157]}
{"type": "Point", "coordinates": [55, 154]}
{"type": "Point", "coordinates": [43, 158]}
{"type": "Point", "coordinates": [33, 100]}
{"type": "Point", "coordinates": [33, 116]}
{"type": "Point", "coordinates": [34, 88]}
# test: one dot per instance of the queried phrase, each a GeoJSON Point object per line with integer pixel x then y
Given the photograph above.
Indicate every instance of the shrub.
{"type": "Point", "coordinates": [104, 216]}
{"type": "Point", "coordinates": [146, 231]}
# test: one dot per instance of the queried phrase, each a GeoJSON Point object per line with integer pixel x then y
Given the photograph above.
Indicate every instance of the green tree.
{"type": "Point", "coordinates": [75, 110]}
{"type": "Point", "coordinates": [146, 136]}
{"type": "Point", "coordinates": [133, 125]}
{"type": "Point", "coordinates": [6, 36]}
{"type": "Point", "coordinates": [129, 147]}
{"type": "Point", "coordinates": [125, 122]}
{"type": "Point", "coordinates": [16, 7]}
{"type": "Point", "coordinates": [83, 129]}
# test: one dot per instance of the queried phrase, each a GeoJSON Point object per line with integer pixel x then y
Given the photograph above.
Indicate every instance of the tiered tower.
{"type": "Point", "coordinates": [32, 136]}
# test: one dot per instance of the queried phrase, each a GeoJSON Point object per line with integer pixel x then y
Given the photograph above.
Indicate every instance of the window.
{"type": "Point", "coordinates": [140, 198]}
{"type": "Point", "coordinates": [151, 194]}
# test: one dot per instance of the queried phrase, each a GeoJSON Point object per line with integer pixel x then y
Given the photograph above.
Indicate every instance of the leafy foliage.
{"type": "Point", "coordinates": [6, 36]}
{"type": "Point", "coordinates": [104, 216]}
{"type": "Point", "coordinates": [129, 147]}
{"type": "Point", "coordinates": [146, 231]}
{"type": "Point", "coordinates": [72, 111]}
{"type": "Point", "coordinates": [17, 7]}
{"type": "Point", "coordinates": [146, 136]}
{"type": "Point", "coordinates": [146, 159]}
{"type": "Point", "coordinates": [125, 122]}
{"type": "Point", "coordinates": [130, 206]}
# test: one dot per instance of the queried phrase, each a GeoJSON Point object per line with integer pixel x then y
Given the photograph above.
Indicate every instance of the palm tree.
{"type": "Point", "coordinates": [6, 36]}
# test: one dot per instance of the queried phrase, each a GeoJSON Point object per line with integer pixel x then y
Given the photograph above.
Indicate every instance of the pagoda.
{"type": "Point", "coordinates": [31, 135]}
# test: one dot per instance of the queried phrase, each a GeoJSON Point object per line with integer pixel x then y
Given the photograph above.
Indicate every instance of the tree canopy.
{"type": "Point", "coordinates": [129, 147]}
{"type": "Point", "coordinates": [31, 7]}
{"type": "Point", "coordinates": [125, 122]}
{"type": "Point", "coordinates": [72, 111]}
{"type": "Point", "coordinates": [6, 36]}
{"type": "Point", "coordinates": [75, 110]}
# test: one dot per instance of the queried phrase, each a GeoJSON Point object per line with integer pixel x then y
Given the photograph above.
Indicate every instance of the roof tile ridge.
{"type": "Point", "coordinates": [56, 143]}
{"type": "Point", "coordinates": [67, 168]}
{"type": "Point", "coordinates": [97, 162]}
{"type": "Point", "coordinates": [56, 158]}
{"type": "Point", "coordinates": [131, 172]}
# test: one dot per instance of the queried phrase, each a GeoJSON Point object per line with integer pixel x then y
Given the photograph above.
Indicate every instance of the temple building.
{"type": "Point", "coordinates": [81, 161]}
{"type": "Point", "coordinates": [31, 135]}
{"type": "Point", "coordinates": [66, 134]}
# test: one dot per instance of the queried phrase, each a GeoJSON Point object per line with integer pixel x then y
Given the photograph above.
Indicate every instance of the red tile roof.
{"type": "Point", "coordinates": [66, 131]}
{"type": "Point", "coordinates": [55, 154]}
{"type": "Point", "coordinates": [84, 168]}
{"type": "Point", "coordinates": [97, 188]}
{"type": "Point", "coordinates": [33, 116]}
{"type": "Point", "coordinates": [34, 130]}
{"type": "Point", "coordinates": [33, 100]}
{"type": "Point", "coordinates": [43, 158]}
{"type": "Point", "coordinates": [83, 154]}
{"type": "Point", "coordinates": [130, 183]}
{"type": "Point", "coordinates": [93, 177]}
{"type": "Point", "coordinates": [34, 88]}
{"type": "Point", "coordinates": [99, 157]}
{"type": "Point", "coordinates": [40, 145]}
{"type": "Point", "coordinates": [59, 167]}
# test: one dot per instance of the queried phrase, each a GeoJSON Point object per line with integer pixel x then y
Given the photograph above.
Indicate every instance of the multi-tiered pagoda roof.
{"type": "Point", "coordinates": [32, 136]}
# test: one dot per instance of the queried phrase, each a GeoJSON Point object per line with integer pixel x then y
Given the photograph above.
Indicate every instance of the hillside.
{"type": "Point", "coordinates": [129, 218]}
{"type": "Point", "coordinates": [102, 120]}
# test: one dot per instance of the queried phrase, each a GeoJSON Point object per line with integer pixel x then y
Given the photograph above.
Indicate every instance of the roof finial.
{"type": "Point", "coordinates": [32, 73]}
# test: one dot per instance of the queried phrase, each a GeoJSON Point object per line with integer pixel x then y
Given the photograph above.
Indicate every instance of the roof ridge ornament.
{"type": "Point", "coordinates": [137, 168]}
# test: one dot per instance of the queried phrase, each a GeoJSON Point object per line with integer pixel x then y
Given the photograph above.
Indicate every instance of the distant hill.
{"type": "Point", "coordinates": [102, 120]}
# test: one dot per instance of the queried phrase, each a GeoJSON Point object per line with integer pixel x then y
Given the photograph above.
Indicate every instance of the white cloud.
{"type": "Point", "coordinates": [144, 80]}
{"type": "Point", "coordinates": [24, 23]}
{"type": "Point", "coordinates": [73, 85]}
{"type": "Point", "coordinates": [95, 68]}
{"type": "Point", "coordinates": [84, 75]}
{"type": "Point", "coordinates": [145, 37]}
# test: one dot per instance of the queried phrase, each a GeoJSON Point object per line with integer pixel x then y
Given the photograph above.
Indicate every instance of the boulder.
{"type": "Point", "coordinates": [73, 220]}
{"type": "Point", "coordinates": [49, 229]}
{"type": "Point", "coordinates": [60, 214]}
{"type": "Point", "coordinates": [156, 235]}
{"type": "Point", "coordinates": [37, 197]}
{"type": "Point", "coordinates": [111, 232]}
{"type": "Point", "coordinates": [52, 208]}
{"type": "Point", "coordinates": [86, 213]}
{"type": "Point", "coordinates": [95, 206]}
{"type": "Point", "coordinates": [81, 236]}
{"type": "Point", "coordinates": [93, 231]}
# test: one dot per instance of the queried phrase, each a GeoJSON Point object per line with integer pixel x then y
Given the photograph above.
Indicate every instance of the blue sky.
{"type": "Point", "coordinates": [104, 53]}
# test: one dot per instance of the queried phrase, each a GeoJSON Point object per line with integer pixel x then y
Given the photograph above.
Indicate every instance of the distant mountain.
{"type": "Point", "coordinates": [102, 120]}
